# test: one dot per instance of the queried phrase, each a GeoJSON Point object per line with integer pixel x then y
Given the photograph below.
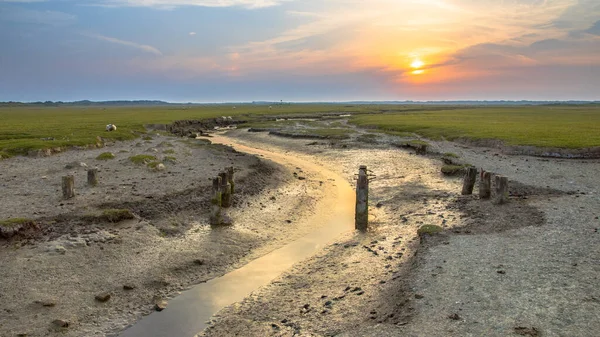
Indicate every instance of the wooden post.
{"type": "Point", "coordinates": [230, 179]}
{"type": "Point", "coordinates": [92, 177]}
{"type": "Point", "coordinates": [68, 185]}
{"type": "Point", "coordinates": [485, 185]}
{"type": "Point", "coordinates": [469, 181]}
{"type": "Point", "coordinates": [225, 190]}
{"type": "Point", "coordinates": [501, 190]}
{"type": "Point", "coordinates": [215, 213]}
{"type": "Point", "coordinates": [361, 215]}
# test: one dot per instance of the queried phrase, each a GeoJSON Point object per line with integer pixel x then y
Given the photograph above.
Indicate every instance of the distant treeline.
{"type": "Point", "coordinates": [163, 103]}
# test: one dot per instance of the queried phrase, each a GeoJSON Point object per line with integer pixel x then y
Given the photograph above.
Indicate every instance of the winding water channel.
{"type": "Point", "coordinates": [188, 313]}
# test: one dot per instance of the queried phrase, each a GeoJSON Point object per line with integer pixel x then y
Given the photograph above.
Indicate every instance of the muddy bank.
{"type": "Point", "coordinates": [534, 255]}
{"type": "Point", "coordinates": [169, 246]}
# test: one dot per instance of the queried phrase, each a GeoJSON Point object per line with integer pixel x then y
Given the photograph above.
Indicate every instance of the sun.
{"type": "Point", "coordinates": [417, 64]}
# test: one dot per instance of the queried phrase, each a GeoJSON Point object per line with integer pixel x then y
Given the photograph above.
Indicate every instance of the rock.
{"type": "Point", "coordinates": [128, 287]}
{"type": "Point", "coordinates": [103, 297]}
{"type": "Point", "coordinates": [59, 323]}
{"type": "Point", "coordinates": [525, 331]}
{"type": "Point", "coordinates": [75, 164]}
{"type": "Point", "coordinates": [379, 204]}
{"type": "Point", "coordinates": [419, 296]}
{"type": "Point", "coordinates": [301, 178]}
{"type": "Point", "coordinates": [454, 317]}
{"type": "Point", "coordinates": [199, 262]}
{"type": "Point", "coordinates": [160, 305]}
{"type": "Point", "coordinates": [160, 167]}
{"type": "Point", "coordinates": [47, 302]}
{"type": "Point", "coordinates": [59, 249]}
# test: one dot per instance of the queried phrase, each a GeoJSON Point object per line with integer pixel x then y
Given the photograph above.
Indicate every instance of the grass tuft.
{"type": "Point", "coordinates": [454, 170]}
{"type": "Point", "coordinates": [142, 159]}
{"type": "Point", "coordinates": [105, 156]}
{"type": "Point", "coordinates": [429, 230]}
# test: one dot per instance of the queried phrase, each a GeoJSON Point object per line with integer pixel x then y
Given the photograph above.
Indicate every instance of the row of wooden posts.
{"type": "Point", "coordinates": [361, 213]}
{"type": "Point", "coordinates": [485, 185]}
{"type": "Point", "coordinates": [68, 183]}
{"type": "Point", "coordinates": [223, 188]}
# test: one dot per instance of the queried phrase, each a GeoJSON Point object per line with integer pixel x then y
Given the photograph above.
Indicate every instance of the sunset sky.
{"type": "Point", "coordinates": [299, 50]}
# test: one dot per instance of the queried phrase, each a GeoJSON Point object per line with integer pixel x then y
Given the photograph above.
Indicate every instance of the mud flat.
{"type": "Point", "coordinates": [56, 278]}
{"type": "Point", "coordinates": [525, 268]}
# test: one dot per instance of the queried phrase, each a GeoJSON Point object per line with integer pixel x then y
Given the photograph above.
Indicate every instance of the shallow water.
{"type": "Point", "coordinates": [188, 313]}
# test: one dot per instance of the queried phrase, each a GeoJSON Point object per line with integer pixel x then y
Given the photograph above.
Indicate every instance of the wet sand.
{"type": "Point", "coordinates": [523, 268]}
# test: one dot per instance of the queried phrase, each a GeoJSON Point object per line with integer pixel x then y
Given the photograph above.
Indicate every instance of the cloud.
{"type": "Point", "coordinates": [51, 18]}
{"type": "Point", "coordinates": [192, 33]}
{"type": "Point", "coordinates": [169, 4]}
{"type": "Point", "coordinates": [595, 29]}
{"type": "Point", "coordinates": [142, 47]}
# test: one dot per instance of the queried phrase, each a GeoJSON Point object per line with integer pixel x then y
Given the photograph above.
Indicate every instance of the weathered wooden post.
{"type": "Point", "coordinates": [68, 186]}
{"type": "Point", "coordinates": [225, 190]}
{"type": "Point", "coordinates": [361, 215]}
{"type": "Point", "coordinates": [215, 213]}
{"type": "Point", "coordinates": [92, 177]}
{"type": "Point", "coordinates": [485, 185]}
{"type": "Point", "coordinates": [230, 179]}
{"type": "Point", "coordinates": [469, 181]}
{"type": "Point", "coordinates": [501, 190]}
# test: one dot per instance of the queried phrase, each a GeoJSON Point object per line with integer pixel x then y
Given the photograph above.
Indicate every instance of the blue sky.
{"type": "Point", "coordinates": [299, 50]}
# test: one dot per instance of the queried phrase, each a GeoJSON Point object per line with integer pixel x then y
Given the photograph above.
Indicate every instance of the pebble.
{"type": "Point", "coordinates": [103, 297]}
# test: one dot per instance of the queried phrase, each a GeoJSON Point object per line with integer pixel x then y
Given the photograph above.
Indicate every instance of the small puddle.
{"type": "Point", "coordinates": [188, 313]}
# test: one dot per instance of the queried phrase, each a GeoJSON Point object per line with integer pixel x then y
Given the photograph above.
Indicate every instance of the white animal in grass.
{"type": "Point", "coordinates": [111, 127]}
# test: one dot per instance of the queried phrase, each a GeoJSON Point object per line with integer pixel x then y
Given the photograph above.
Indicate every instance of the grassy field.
{"type": "Point", "coordinates": [29, 128]}
{"type": "Point", "coordinates": [543, 126]}
{"type": "Point", "coordinates": [23, 128]}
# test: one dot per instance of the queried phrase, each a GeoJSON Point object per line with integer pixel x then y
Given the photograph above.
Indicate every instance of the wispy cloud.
{"type": "Point", "coordinates": [169, 4]}
{"type": "Point", "coordinates": [142, 47]}
{"type": "Point", "coordinates": [22, 15]}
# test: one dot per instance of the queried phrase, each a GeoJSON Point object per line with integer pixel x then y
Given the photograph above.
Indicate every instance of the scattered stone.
{"type": "Point", "coordinates": [103, 297]}
{"type": "Point", "coordinates": [59, 323]}
{"type": "Point", "coordinates": [199, 262]}
{"type": "Point", "coordinates": [288, 221]}
{"type": "Point", "coordinates": [454, 316]}
{"type": "Point", "coordinates": [502, 272]}
{"type": "Point", "coordinates": [160, 167]}
{"type": "Point", "coordinates": [419, 296]}
{"type": "Point", "coordinates": [128, 287]}
{"type": "Point", "coordinates": [360, 293]}
{"type": "Point", "coordinates": [301, 178]}
{"type": "Point", "coordinates": [160, 305]}
{"type": "Point", "coordinates": [47, 302]}
{"type": "Point", "coordinates": [379, 204]}
{"type": "Point", "coordinates": [524, 331]}
{"type": "Point", "coordinates": [75, 164]}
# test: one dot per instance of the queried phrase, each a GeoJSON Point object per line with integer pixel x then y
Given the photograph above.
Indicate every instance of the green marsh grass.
{"type": "Point", "coordinates": [542, 126]}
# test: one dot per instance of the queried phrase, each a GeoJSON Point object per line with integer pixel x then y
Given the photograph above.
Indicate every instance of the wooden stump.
{"type": "Point", "coordinates": [216, 217]}
{"type": "Point", "coordinates": [230, 179]}
{"type": "Point", "coordinates": [92, 177]}
{"type": "Point", "coordinates": [225, 190]}
{"type": "Point", "coordinates": [485, 185]}
{"type": "Point", "coordinates": [469, 181]}
{"type": "Point", "coordinates": [361, 214]}
{"type": "Point", "coordinates": [68, 187]}
{"type": "Point", "coordinates": [501, 190]}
